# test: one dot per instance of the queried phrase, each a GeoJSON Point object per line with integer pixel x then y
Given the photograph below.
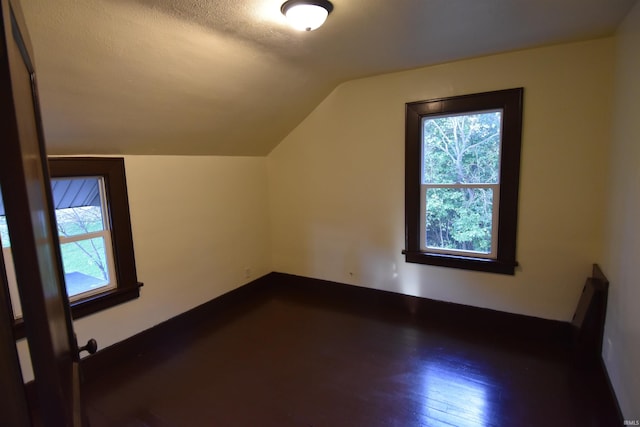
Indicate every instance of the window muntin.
{"type": "Point", "coordinates": [436, 191]}
{"type": "Point", "coordinates": [460, 183]}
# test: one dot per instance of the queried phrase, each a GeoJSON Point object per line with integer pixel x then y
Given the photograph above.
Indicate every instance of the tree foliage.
{"type": "Point", "coordinates": [460, 150]}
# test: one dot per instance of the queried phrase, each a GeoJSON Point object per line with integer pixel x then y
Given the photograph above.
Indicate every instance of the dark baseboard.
{"type": "Point", "coordinates": [171, 333]}
{"type": "Point", "coordinates": [478, 322]}
{"type": "Point", "coordinates": [431, 313]}
{"type": "Point", "coordinates": [589, 319]}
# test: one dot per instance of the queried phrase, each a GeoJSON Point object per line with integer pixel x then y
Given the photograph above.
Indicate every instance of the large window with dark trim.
{"type": "Point", "coordinates": [462, 167]}
{"type": "Point", "coordinates": [94, 229]}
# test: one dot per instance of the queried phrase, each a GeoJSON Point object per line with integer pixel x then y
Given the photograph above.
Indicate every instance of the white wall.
{"type": "Point", "coordinates": [198, 223]}
{"type": "Point", "coordinates": [622, 332]}
{"type": "Point", "coordinates": [337, 181]}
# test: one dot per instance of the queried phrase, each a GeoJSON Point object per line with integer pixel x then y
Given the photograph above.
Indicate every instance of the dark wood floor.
{"type": "Point", "coordinates": [296, 357]}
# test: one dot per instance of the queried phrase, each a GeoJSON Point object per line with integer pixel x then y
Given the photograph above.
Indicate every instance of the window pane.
{"type": "Point", "coordinates": [85, 265]}
{"type": "Point", "coordinates": [81, 220]}
{"type": "Point", "coordinates": [12, 282]}
{"type": "Point", "coordinates": [4, 232]}
{"type": "Point", "coordinates": [462, 149]}
{"type": "Point", "coordinates": [459, 219]}
{"type": "Point", "coordinates": [78, 205]}
{"type": "Point", "coordinates": [7, 256]}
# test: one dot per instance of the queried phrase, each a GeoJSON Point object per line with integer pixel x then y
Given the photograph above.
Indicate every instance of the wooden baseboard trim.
{"type": "Point", "coordinates": [355, 299]}
{"type": "Point", "coordinates": [171, 333]}
{"type": "Point", "coordinates": [485, 321]}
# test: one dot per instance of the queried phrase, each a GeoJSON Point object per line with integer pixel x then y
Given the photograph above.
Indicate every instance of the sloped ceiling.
{"type": "Point", "coordinates": [229, 77]}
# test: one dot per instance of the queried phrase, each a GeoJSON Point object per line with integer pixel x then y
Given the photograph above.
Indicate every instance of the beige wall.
{"type": "Point", "coordinates": [337, 181]}
{"type": "Point", "coordinates": [198, 223]}
{"type": "Point", "coordinates": [622, 333]}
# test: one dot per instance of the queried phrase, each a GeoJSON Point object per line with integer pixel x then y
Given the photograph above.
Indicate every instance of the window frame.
{"type": "Point", "coordinates": [112, 170]}
{"type": "Point", "coordinates": [510, 102]}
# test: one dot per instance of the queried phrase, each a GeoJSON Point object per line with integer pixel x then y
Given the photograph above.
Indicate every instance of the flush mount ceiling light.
{"type": "Point", "coordinates": [306, 15]}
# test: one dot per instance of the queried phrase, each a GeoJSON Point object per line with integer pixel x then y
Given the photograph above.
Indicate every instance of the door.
{"type": "Point", "coordinates": [24, 180]}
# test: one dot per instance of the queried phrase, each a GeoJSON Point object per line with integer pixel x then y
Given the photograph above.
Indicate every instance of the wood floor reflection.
{"type": "Point", "coordinates": [295, 358]}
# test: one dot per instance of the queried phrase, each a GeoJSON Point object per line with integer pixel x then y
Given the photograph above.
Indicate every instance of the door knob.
{"type": "Point", "coordinates": [91, 347]}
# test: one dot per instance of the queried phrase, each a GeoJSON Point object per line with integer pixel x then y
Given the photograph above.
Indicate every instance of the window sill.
{"type": "Point", "coordinates": [466, 263]}
{"type": "Point", "coordinates": [92, 304]}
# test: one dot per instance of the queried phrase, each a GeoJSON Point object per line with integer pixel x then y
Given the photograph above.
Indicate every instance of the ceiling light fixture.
{"type": "Point", "coordinates": [306, 15]}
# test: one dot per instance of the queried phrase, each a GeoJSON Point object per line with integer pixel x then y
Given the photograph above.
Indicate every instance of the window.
{"type": "Point", "coordinates": [94, 230]}
{"type": "Point", "coordinates": [462, 170]}
{"type": "Point", "coordinates": [83, 224]}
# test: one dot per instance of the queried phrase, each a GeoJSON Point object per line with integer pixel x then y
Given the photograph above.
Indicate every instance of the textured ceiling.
{"type": "Point", "coordinates": [229, 77]}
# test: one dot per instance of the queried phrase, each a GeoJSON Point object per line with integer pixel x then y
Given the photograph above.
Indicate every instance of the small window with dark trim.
{"type": "Point", "coordinates": [462, 167]}
{"type": "Point", "coordinates": [94, 229]}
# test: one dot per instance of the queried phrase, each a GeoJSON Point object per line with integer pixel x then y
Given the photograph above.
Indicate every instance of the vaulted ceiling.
{"type": "Point", "coordinates": [230, 77]}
